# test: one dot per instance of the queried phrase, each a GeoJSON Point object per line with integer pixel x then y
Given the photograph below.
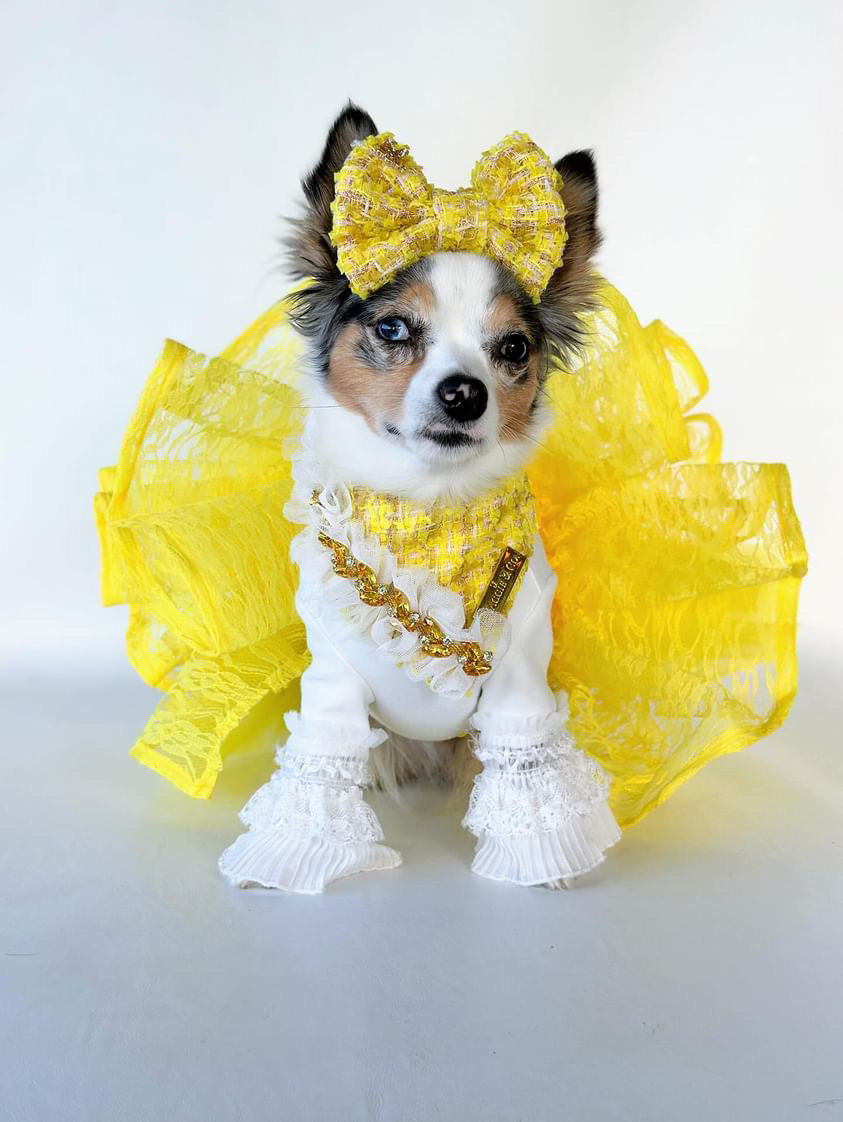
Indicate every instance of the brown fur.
{"type": "Point", "coordinates": [416, 299]}
{"type": "Point", "coordinates": [374, 395]}
{"type": "Point", "coordinates": [517, 394]}
{"type": "Point", "coordinates": [504, 316]}
{"type": "Point", "coordinates": [516, 401]}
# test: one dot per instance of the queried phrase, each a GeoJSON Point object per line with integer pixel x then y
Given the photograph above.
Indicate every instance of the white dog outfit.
{"type": "Point", "coordinates": [539, 807]}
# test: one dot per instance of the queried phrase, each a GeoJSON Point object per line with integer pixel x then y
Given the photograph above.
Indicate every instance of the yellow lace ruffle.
{"type": "Point", "coordinates": [675, 613]}
{"type": "Point", "coordinates": [194, 540]}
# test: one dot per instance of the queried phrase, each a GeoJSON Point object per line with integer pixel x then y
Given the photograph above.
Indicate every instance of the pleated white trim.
{"type": "Point", "coordinates": [529, 859]}
{"type": "Point", "coordinates": [272, 859]}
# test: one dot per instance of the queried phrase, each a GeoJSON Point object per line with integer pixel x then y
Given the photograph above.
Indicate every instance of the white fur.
{"type": "Point", "coordinates": [410, 465]}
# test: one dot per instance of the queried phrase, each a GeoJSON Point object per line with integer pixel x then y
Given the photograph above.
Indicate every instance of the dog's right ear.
{"type": "Point", "coordinates": [570, 290]}
{"type": "Point", "coordinates": [309, 249]}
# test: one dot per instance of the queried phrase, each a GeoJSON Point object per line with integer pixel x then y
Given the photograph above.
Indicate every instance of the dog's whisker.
{"type": "Point", "coordinates": [507, 432]}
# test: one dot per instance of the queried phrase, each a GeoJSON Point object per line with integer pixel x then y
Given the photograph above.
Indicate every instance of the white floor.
{"type": "Point", "coordinates": [697, 975]}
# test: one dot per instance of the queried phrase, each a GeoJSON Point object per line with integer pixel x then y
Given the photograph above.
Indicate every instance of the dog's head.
{"type": "Point", "coordinates": [434, 382]}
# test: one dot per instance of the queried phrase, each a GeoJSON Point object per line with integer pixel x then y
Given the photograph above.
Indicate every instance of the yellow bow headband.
{"type": "Point", "coordinates": [387, 215]}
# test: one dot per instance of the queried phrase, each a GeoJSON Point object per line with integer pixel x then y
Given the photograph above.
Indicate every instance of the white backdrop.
{"type": "Point", "coordinates": [149, 149]}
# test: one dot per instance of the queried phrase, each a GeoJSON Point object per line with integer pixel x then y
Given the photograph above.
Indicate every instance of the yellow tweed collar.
{"type": "Point", "coordinates": [460, 543]}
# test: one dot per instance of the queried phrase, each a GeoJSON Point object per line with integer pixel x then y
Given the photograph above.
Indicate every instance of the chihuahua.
{"type": "Point", "coordinates": [426, 401]}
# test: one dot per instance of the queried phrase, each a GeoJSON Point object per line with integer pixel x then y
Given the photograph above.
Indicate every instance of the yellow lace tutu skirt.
{"type": "Point", "coordinates": [675, 613]}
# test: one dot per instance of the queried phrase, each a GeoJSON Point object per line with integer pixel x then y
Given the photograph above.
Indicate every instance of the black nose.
{"type": "Point", "coordinates": [463, 399]}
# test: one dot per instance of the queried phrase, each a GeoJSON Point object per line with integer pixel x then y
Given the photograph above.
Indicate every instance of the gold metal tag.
{"type": "Point", "coordinates": [503, 582]}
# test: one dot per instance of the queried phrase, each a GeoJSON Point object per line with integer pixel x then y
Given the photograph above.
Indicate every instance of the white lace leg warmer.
{"type": "Point", "coordinates": [539, 807]}
{"type": "Point", "coordinates": [310, 825]}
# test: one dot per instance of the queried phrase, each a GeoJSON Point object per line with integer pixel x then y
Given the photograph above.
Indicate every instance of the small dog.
{"type": "Point", "coordinates": [426, 402]}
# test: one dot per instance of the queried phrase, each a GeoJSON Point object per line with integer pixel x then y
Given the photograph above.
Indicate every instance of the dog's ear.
{"type": "Point", "coordinates": [571, 287]}
{"type": "Point", "coordinates": [309, 249]}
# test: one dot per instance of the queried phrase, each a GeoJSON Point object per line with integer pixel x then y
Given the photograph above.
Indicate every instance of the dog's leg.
{"type": "Point", "coordinates": [310, 825]}
{"type": "Point", "coordinates": [539, 807]}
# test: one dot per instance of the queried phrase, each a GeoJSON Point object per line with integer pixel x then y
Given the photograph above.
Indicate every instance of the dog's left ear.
{"type": "Point", "coordinates": [309, 249]}
{"type": "Point", "coordinates": [316, 311]}
{"type": "Point", "coordinates": [571, 288]}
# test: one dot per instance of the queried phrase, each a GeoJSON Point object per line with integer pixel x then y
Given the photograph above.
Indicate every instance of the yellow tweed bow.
{"type": "Point", "coordinates": [387, 215]}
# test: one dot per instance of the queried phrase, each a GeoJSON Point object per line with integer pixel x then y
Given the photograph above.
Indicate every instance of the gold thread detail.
{"type": "Point", "coordinates": [434, 642]}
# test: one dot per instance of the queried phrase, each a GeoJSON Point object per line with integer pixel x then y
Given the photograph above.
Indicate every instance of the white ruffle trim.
{"type": "Point", "coordinates": [271, 859]}
{"type": "Point", "coordinates": [320, 586]}
{"type": "Point", "coordinates": [539, 807]}
{"type": "Point", "coordinates": [304, 808]}
{"type": "Point", "coordinates": [310, 825]}
{"type": "Point", "coordinates": [563, 854]}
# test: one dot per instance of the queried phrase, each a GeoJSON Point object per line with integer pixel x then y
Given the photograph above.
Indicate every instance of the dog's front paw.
{"type": "Point", "coordinates": [557, 885]}
{"type": "Point", "coordinates": [273, 859]}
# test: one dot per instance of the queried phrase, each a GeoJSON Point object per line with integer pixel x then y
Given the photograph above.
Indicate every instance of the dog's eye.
{"type": "Point", "coordinates": [393, 329]}
{"type": "Point", "coordinates": [514, 347]}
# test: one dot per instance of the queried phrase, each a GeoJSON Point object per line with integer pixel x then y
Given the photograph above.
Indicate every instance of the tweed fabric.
{"type": "Point", "coordinates": [460, 544]}
{"type": "Point", "coordinates": [387, 216]}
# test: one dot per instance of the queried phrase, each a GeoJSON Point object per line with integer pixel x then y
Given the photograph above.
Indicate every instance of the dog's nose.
{"type": "Point", "coordinates": [463, 398]}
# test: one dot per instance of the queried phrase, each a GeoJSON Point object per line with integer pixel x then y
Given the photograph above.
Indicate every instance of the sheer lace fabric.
{"type": "Point", "coordinates": [678, 575]}
{"type": "Point", "coordinates": [315, 796]}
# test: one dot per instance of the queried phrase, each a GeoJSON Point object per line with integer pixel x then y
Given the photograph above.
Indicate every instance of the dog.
{"type": "Point", "coordinates": [426, 397]}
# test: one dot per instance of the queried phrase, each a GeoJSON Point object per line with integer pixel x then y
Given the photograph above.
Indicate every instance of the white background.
{"type": "Point", "coordinates": [149, 149]}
